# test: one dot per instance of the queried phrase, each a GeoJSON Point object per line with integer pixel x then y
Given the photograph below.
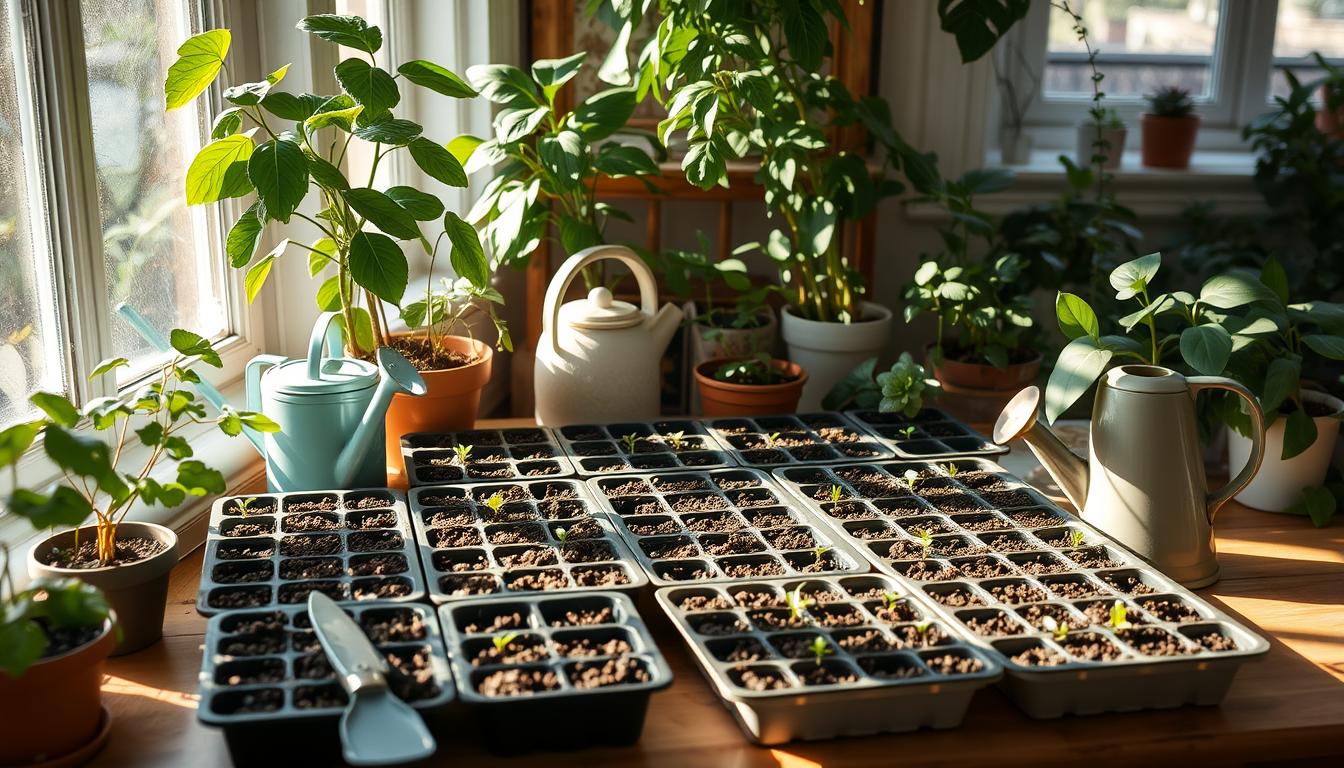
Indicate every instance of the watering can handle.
{"type": "Point", "coordinates": [325, 329]}
{"type": "Point", "coordinates": [1217, 499]}
{"type": "Point", "coordinates": [555, 292]}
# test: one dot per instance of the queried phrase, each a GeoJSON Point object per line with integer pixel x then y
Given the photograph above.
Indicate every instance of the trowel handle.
{"type": "Point", "coordinates": [1220, 497]}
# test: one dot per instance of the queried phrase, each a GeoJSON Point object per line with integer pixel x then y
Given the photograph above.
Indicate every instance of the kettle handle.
{"type": "Point", "coordinates": [555, 292]}
{"type": "Point", "coordinates": [1217, 499]}
{"type": "Point", "coordinates": [325, 329]}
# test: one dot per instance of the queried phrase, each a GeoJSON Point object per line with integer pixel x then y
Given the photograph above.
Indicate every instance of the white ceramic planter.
{"type": "Point", "coordinates": [1278, 485]}
{"type": "Point", "coordinates": [708, 343]}
{"type": "Point", "coordinates": [1087, 137]}
{"type": "Point", "coordinates": [1014, 147]}
{"type": "Point", "coordinates": [829, 351]}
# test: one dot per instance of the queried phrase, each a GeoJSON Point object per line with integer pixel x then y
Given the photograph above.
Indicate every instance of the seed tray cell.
{"type": "Point", "coordinates": [517, 538]}
{"type": "Point", "coordinates": [719, 525]}
{"type": "Point", "coordinates": [496, 455]}
{"type": "Point", "coordinates": [929, 434]}
{"type": "Point", "coordinates": [805, 438]}
{"type": "Point", "coordinates": [266, 680]}
{"type": "Point", "coordinates": [605, 449]}
{"type": "Point", "coordinates": [273, 549]}
{"type": "Point", "coordinates": [1002, 584]}
{"type": "Point", "coordinates": [887, 664]}
{"type": "Point", "coordinates": [575, 670]}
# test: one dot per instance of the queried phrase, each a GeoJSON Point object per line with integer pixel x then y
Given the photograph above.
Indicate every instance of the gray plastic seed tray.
{"type": "Point", "coordinates": [273, 549]}
{"type": "Point", "coordinates": [888, 666]}
{"type": "Point", "coordinates": [527, 665]}
{"type": "Point", "coordinates": [470, 550]}
{"type": "Point", "coordinates": [1000, 570]}
{"type": "Point", "coordinates": [496, 455]}
{"type": "Point", "coordinates": [929, 434]}
{"type": "Point", "coordinates": [719, 525]}
{"type": "Point", "coordinates": [598, 450]}
{"type": "Point", "coordinates": [804, 438]}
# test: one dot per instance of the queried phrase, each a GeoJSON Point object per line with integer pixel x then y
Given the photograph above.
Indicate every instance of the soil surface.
{"type": "Point", "coordinates": [530, 557]}
{"type": "Point", "coordinates": [984, 567]}
{"type": "Point", "coordinates": [993, 625]}
{"type": "Point", "coordinates": [749, 649]}
{"type": "Point", "coordinates": [236, 572]}
{"type": "Point", "coordinates": [1216, 641]}
{"type": "Point", "coordinates": [253, 644]}
{"type": "Point", "coordinates": [838, 617]}
{"type": "Point", "coordinates": [386, 519]}
{"type": "Point", "coordinates": [602, 576]}
{"type": "Point", "coordinates": [957, 598]}
{"type": "Point", "coordinates": [321, 544]}
{"type": "Point", "coordinates": [753, 569]}
{"type": "Point", "coordinates": [823, 675]}
{"type": "Point", "coordinates": [705, 603]}
{"type": "Point", "coordinates": [1016, 594]}
{"type": "Point", "coordinates": [952, 664]}
{"type": "Point", "coordinates": [589, 551]}
{"type": "Point", "coordinates": [324, 504]}
{"type": "Point", "coordinates": [448, 538]}
{"type": "Point", "coordinates": [719, 625]}
{"type": "Point", "coordinates": [771, 519]}
{"type": "Point", "coordinates": [244, 550]}
{"type": "Point", "coordinates": [388, 564]}
{"type": "Point", "coordinates": [863, 641]}
{"type": "Point", "coordinates": [521, 650]}
{"type": "Point", "coordinates": [1091, 647]}
{"type": "Point", "coordinates": [1170, 610]}
{"type": "Point", "coordinates": [584, 617]}
{"type": "Point", "coordinates": [723, 522]}
{"type": "Point", "coordinates": [923, 570]}
{"type": "Point", "coordinates": [687, 572]}
{"type": "Point", "coordinates": [468, 584]}
{"type": "Point", "coordinates": [652, 527]}
{"type": "Point", "coordinates": [588, 646]}
{"type": "Point", "coordinates": [375, 541]}
{"type": "Point", "coordinates": [513, 620]}
{"type": "Point", "coordinates": [247, 597]}
{"type": "Point", "coordinates": [1039, 656]}
{"type": "Point", "coordinates": [1154, 642]}
{"type": "Point", "coordinates": [733, 544]}
{"type": "Point", "coordinates": [129, 549]}
{"type": "Point", "coordinates": [426, 355]}
{"type": "Point", "coordinates": [1128, 583]}
{"type": "Point", "coordinates": [750, 598]}
{"type": "Point", "coordinates": [670, 549]}
{"type": "Point", "coordinates": [403, 626]}
{"type": "Point", "coordinates": [537, 581]}
{"type": "Point", "coordinates": [518, 682]}
{"type": "Point", "coordinates": [310, 568]}
{"type": "Point", "coordinates": [885, 669]}
{"type": "Point", "coordinates": [761, 680]}
{"type": "Point", "coordinates": [63, 639]}
{"type": "Point", "coordinates": [1034, 519]}
{"type": "Point", "coordinates": [1010, 543]}
{"type": "Point", "coordinates": [1072, 590]}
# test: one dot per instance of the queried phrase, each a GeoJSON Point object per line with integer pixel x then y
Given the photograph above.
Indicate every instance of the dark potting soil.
{"type": "Point", "coordinates": [368, 502]}
{"type": "Point", "coordinates": [753, 498]}
{"type": "Point", "coordinates": [244, 550]}
{"type": "Point", "coordinates": [838, 617]}
{"type": "Point", "coordinates": [63, 639]}
{"type": "Point", "coordinates": [863, 641]}
{"type": "Point", "coordinates": [325, 504]}
{"type": "Point", "coordinates": [926, 525]}
{"type": "Point", "coordinates": [402, 626]}
{"type": "Point", "coordinates": [319, 697]}
{"type": "Point", "coordinates": [310, 568]}
{"type": "Point", "coordinates": [386, 519]}
{"type": "Point", "coordinates": [253, 507]}
{"type": "Point", "coordinates": [129, 549]}
{"type": "Point", "coordinates": [321, 544]}
{"type": "Point", "coordinates": [620, 671]}
{"type": "Point", "coordinates": [507, 493]}
{"type": "Point", "coordinates": [516, 534]}
{"type": "Point", "coordinates": [1216, 641]}
{"type": "Point", "coordinates": [680, 484]}
{"type": "Point", "coordinates": [520, 650]}
{"type": "Point", "coordinates": [588, 551]}
{"type": "Point", "coordinates": [718, 625]}
{"type": "Point", "coordinates": [584, 617]}
{"type": "Point", "coordinates": [1092, 557]}
{"type": "Point", "coordinates": [242, 572]}
{"type": "Point", "coordinates": [984, 568]}
{"type": "Point", "coordinates": [697, 503]}
{"type": "Point", "coordinates": [750, 598]}
{"type": "Point", "coordinates": [437, 474]}
{"type": "Point", "coordinates": [819, 563]}
{"type": "Point", "coordinates": [669, 549]}
{"type": "Point", "coordinates": [264, 700]}
{"type": "Point", "coordinates": [253, 644]}
{"type": "Point", "coordinates": [448, 538]}
{"type": "Point", "coordinates": [375, 541]}
{"type": "Point", "coordinates": [729, 484]}
{"type": "Point", "coordinates": [957, 598]}
{"type": "Point", "coordinates": [489, 470]}
{"type": "Point", "coordinates": [298, 592]}
{"type": "Point", "coordinates": [652, 527]}
{"type": "Point", "coordinates": [749, 649]}
{"type": "Point", "coordinates": [982, 481]}
{"type": "Point", "coordinates": [411, 674]}
{"type": "Point", "coordinates": [686, 572]}
{"type": "Point", "coordinates": [1015, 594]}
{"type": "Point", "coordinates": [762, 568]}
{"type": "Point", "coordinates": [723, 522]}
{"type": "Point", "coordinates": [953, 664]}
{"type": "Point", "coordinates": [1129, 583]}
{"type": "Point", "coordinates": [305, 642]}
{"type": "Point", "coordinates": [513, 512]}
{"type": "Point", "coordinates": [771, 519]}
{"type": "Point", "coordinates": [760, 679]}
{"type": "Point", "coordinates": [1151, 641]}
{"type": "Point", "coordinates": [1034, 518]}
{"type": "Point", "coordinates": [848, 510]}
{"type": "Point", "coordinates": [705, 603]}
{"type": "Point", "coordinates": [954, 503]}
{"type": "Point", "coordinates": [468, 584]}
{"type": "Point", "coordinates": [530, 557]}
{"type": "Point", "coordinates": [314, 666]}
{"type": "Point", "coordinates": [1035, 615]}
{"type": "Point", "coordinates": [1039, 656]}
{"type": "Point", "coordinates": [1170, 610]}
{"type": "Point", "coordinates": [252, 672]}
{"type": "Point", "coordinates": [537, 581]}
{"type": "Point", "coordinates": [588, 646]}
{"type": "Point", "coordinates": [310, 521]}
{"type": "Point", "coordinates": [429, 354]}
{"type": "Point", "coordinates": [1007, 499]}
{"type": "Point", "coordinates": [993, 625]}
{"type": "Point", "coordinates": [924, 570]}
{"type": "Point", "coordinates": [978, 523]}
{"type": "Point", "coordinates": [517, 682]}
{"type": "Point", "coordinates": [1091, 647]}
{"type": "Point", "coordinates": [1010, 542]}
{"type": "Point", "coordinates": [733, 544]}
{"type": "Point", "coordinates": [581, 529]}
{"type": "Point", "coordinates": [770, 619]}
{"type": "Point", "coordinates": [560, 509]}
{"type": "Point", "coordinates": [872, 531]}
{"type": "Point", "coordinates": [895, 613]}
{"type": "Point", "coordinates": [248, 597]}
{"type": "Point", "coordinates": [957, 546]}
{"type": "Point", "coordinates": [824, 675]}
{"type": "Point", "coordinates": [1073, 590]}
{"type": "Point", "coordinates": [497, 622]}
{"type": "Point", "coordinates": [600, 576]}
{"type": "Point", "coordinates": [629, 488]}
{"type": "Point", "coordinates": [798, 646]}
{"type": "Point", "coordinates": [1098, 612]}
{"type": "Point", "coordinates": [385, 564]}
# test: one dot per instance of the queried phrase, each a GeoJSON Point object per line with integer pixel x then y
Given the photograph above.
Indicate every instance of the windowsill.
{"type": "Point", "coordinates": [1204, 165]}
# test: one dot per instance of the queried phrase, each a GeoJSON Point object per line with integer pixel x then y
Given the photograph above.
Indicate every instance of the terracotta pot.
{"type": "Point", "coordinates": [977, 392]}
{"type": "Point", "coordinates": [137, 592]}
{"type": "Point", "coordinates": [1168, 142]}
{"type": "Point", "coordinates": [707, 342]}
{"type": "Point", "coordinates": [721, 398]}
{"type": "Point", "coordinates": [1329, 121]}
{"type": "Point", "coordinates": [54, 707]}
{"type": "Point", "coordinates": [450, 405]}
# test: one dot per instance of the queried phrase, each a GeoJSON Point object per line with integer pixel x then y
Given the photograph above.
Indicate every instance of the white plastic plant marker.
{"type": "Point", "coordinates": [377, 728]}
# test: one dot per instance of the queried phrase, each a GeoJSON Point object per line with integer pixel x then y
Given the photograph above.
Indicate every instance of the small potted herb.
{"type": "Point", "coordinates": [1101, 135]}
{"type": "Point", "coordinates": [899, 390]}
{"type": "Point", "coordinates": [1169, 129]}
{"type": "Point", "coordinates": [751, 386]}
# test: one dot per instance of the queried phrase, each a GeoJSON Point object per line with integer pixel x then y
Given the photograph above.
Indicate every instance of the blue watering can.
{"type": "Point", "coordinates": [330, 409]}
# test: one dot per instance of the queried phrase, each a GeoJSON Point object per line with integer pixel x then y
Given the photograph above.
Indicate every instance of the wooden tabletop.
{"type": "Point", "coordinates": [1281, 577]}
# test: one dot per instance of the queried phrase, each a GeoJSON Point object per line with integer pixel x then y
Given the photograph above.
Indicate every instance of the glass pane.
{"type": "Point", "coordinates": [1303, 27]}
{"type": "Point", "coordinates": [157, 252]}
{"type": "Point", "coordinates": [1144, 44]}
{"type": "Point", "coordinates": [30, 337]}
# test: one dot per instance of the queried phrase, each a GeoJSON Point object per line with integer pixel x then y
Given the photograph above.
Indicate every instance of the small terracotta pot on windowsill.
{"type": "Point", "coordinates": [1168, 142]}
{"type": "Point", "coordinates": [722, 398]}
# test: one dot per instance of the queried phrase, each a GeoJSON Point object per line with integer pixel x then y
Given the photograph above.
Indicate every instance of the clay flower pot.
{"type": "Point", "coordinates": [977, 392]}
{"type": "Point", "coordinates": [1329, 121]}
{"type": "Point", "coordinates": [1168, 142]}
{"type": "Point", "coordinates": [708, 342]}
{"type": "Point", "coordinates": [450, 405]}
{"type": "Point", "coordinates": [54, 710]}
{"type": "Point", "coordinates": [721, 398]}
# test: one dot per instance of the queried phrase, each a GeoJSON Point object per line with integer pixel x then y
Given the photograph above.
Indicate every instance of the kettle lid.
{"type": "Point", "coordinates": [600, 310]}
{"type": "Point", "coordinates": [336, 375]}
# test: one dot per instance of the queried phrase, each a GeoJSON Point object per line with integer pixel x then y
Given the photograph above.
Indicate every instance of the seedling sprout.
{"type": "Point", "coordinates": [495, 501]}
{"type": "Point", "coordinates": [1059, 629]}
{"type": "Point", "coordinates": [890, 599]}
{"type": "Point", "coordinates": [245, 505]}
{"type": "Point", "coordinates": [819, 553]}
{"type": "Point", "coordinates": [925, 542]}
{"type": "Point", "coordinates": [797, 602]}
{"type": "Point", "coordinates": [952, 470]}
{"type": "Point", "coordinates": [463, 453]}
{"type": "Point", "coordinates": [923, 629]}
{"type": "Point", "coordinates": [1075, 538]}
{"type": "Point", "coordinates": [771, 438]}
{"type": "Point", "coordinates": [675, 439]}
{"type": "Point", "coordinates": [820, 648]}
{"type": "Point", "coordinates": [561, 535]}
{"type": "Point", "coordinates": [911, 477]}
{"type": "Point", "coordinates": [630, 441]}
{"type": "Point", "coordinates": [907, 432]}
{"type": "Point", "coordinates": [837, 492]}
{"type": "Point", "coordinates": [502, 641]}
{"type": "Point", "coordinates": [1119, 616]}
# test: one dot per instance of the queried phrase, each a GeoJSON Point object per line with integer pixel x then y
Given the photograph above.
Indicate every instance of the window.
{"type": "Point", "coordinates": [1301, 27]}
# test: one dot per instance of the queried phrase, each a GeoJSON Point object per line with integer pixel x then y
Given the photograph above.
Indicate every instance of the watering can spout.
{"type": "Point", "coordinates": [665, 324]}
{"type": "Point", "coordinates": [1021, 419]}
{"type": "Point", "coordinates": [398, 375]}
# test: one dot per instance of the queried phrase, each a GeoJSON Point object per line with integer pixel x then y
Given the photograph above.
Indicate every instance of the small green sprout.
{"type": "Point", "coordinates": [819, 553]}
{"type": "Point", "coordinates": [1119, 616]}
{"type": "Point", "coordinates": [630, 441]}
{"type": "Point", "coordinates": [797, 602]}
{"type": "Point", "coordinates": [245, 505]}
{"type": "Point", "coordinates": [890, 599]}
{"type": "Point", "coordinates": [908, 432]}
{"type": "Point", "coordinates": [463, 453]}
{"type": "Point", "coordinates": [502, 641]}
{"type": "Point", "coordinates": [837, 492]}
{"type": "Point", "coordinates": [952, 470]}
{"type": "Point", "coordinates": [495, 501]}
{"type": "Point", "coordinates": [1075, 538]}
{"type": "Point", "coordinates": [911, 477]}
{"type": "Point", "coordinates": [820, 648]}
{"type": "Point", "coordinates": [1059, 629]}
{"type": "Point", "coordinates": [675, 439]}
{"type": "Point", "coordinates": [561, 535]}
{"type": "Point", "coordinates": [925, 542]}
{"type": "Point", "coordinates": [923, 628]}
{"type": "Point", "coordinates": [771, 439]}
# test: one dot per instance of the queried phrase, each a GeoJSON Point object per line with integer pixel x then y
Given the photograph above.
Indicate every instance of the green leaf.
{"type": "Point", "coordinates": [350, 31]}
{"type": "Point", "coordinates": [326, 248]}
{"type": "Point", "coordinates": [279, 171]}
{"type": "Point", "coordinates": [1130, 278]}
{"type": "Point", "coordinates": [391, 130]}
{"type": "Point", "coordinates": [516, 124]}
{"type": "Point", "coordinates": [63, 507]}
{"type": "Point", "coordinates": [1317, 503]}
{"type": "Point", "coordinates": [422, 206]}
{"type": "Point", "coordinates": [190, 344]}
{"type": "Point", "coordinates": [241, 241]}
{"type": "Point", "coordinates": [578, 234]}
{"type": "Point", "coordinates": [1206, 348]}
{"type": "Point", "coordinates": [198, 479]}
{"type": "Point", "coordinates": [437, 162]}
{"type": "Point", "coordinates": [1233, 290]}
{"type": "Point", "coordinates": [505, 85]}
{"type": "Point", "coordinates": [618, 160]}
{"type": "Point", "coordinates": [1156, 307]}
{"type": "Point", "coordinates": [198, 61]}
{"type": "Point", "coordinates": [219, 170]}
{"type": "Point", "coordinates": [325, 174]}
{"type": "Point", "coordinates": [151, 434]}
{"type": "Point", "coordinates": [1275, 278]}
{"type": "Point", "coordinates": [227, 123]}
{"type": "Point", "coordinates": [329, 295]}
{"type": "Point", "coordinates": [256, 275]}
{"type": "Point", "coordinates": [378, 265]}
{"type": "Point", "coordinates": [258, 422]}
{"type": "Point", "coordinates": [1299, 432]}
{"type": "Point", "coordinates": [808, 35]}
{"type": "Point", "coordinates": [604, 113]}
{"type": "Point", "coordinates": [22, 643]}
{"type": "Point", "coordinates": [1281, 381]}
{"type": "Point", "coordinates": [467, 257]}
{"type": "Point", "coordinates": [72, 603]}
{"type": "Point", "coordinates": [57, 407]}
{"type": "Point", "coordinates": [1079, 364]}
{"type": "Point", "coordinates": [463, 146]}
{"type": "Point", "coordinates": [550, 74]}
{"type": "Point", "coordinates": [247, 94]}
{"type": "Point", "coordinates": [107, 366]}
{"type": "Point", "coordinates": [704, 165]}
{"type": "Point", "coordinates": [15, 440]}
{"type": "Point", "coordinates": [1329, 347]}
{"type": "Point", "coordinates": [371, 86]}
{"type": "Point", "coordinates": [363, 327]}
{"type": "Point", "coordinates": [1076, 317]}
{"type": "Point", "coordinates": [978, 24]}
{"type": "Point", "coordinates": [83, 456]}
{"type": "Point", "coordinates": [287, 106]}
{"type": "Point", "coordinates": [383, 212]}
{"type": "Point", "coordinates": [565, 155]}
{"type": "Point", "coordinates": [343, 118]}
{"type": "Point", "coordinates": [847, 391]}
{"type": "Point", "coordinates": [436, 78]}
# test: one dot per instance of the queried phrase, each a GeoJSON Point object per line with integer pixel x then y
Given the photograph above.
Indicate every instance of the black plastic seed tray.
{"type": "Point", "coordinates": [610, 449]}
{"type": "Point", "coordinates": [266, 680]}
{"type": "Point", "coordinates": [517, 538]}
{"type": "Point", "coordinates": [804, 438]}
{"type": "Point", "coordinates": [552, 672]}
{"type": "Point", "coordinates": [1016, 571]}
{"type": "Point", "coordinates": [929, 434]}
{"type": "Point", "coordinates": [273, 549]}
{"type": "Point", "coordinates": [830, 656]}
{"type": "Point", "coordinates": [721, 524]}
{"type": "Point", "coordinates": [495, 455]}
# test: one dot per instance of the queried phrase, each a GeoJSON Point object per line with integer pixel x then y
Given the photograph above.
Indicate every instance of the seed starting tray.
{"type": "Point", "coordinates": [496, 455]}
{"type": "Point", "coordinates": [930, 434]}
{"type": "Point", "coordinates": [598, 450]}
{"type": "Point", "coordinates": [719, 525]}
{"type": "Point", "coordinates": [886, 664]}
{"type": "Point", "coordinates": [998, 559]}
{"type": "Point", "coordinates": [273, 549]}
{"type": "Point", "coordinates": [554, 671]}
{"type": "Point", "coordinates": [469, 549]}
{"type": "Point", "coordinates": [805, 438]}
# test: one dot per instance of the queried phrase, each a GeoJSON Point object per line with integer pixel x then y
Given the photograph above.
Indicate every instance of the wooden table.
{"type": "Point", "coordinates": [1280, 576]}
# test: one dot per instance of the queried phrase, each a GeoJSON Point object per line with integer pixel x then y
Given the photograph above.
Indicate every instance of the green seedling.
{"type": "Point", "coordinates": [463, 453]}
{"type": "Point", "coordinates": [911, 477]}
{"type": "Point", "coordinates": [820, 648]}
{"type": "Point", "coordinates": [925, 542]}
{"type": "Point", "coordinates": [837, 492]}
{"type": "Point", "coordinates": [561, 535]}
{"type": "Point", "coordinates": [1075, 538]}
{"type": "Point", "coordinates": [771, 439]}
{"type": "Point", "coordinates": [630, 441]}
{"type": "Point", "coordinates": [1119, 616]}
{"type": "Point", "coordinates": [797, 602]}
{"type": "Point", "coordinates": [907, 432]}
{"type": "Point", "coordinates": [501, 642]}
{"type": "Point", "coordinates": [923, 628]}
{"type": "Point", "coordinates": [1059, 629]}
{"type": "Point", "coordinates": [819, 553]}
{"type": "Point", "coordinates": [495, 501]}
{"type": "Point", "coordinates": [245, 505]}
{"type": "Point", "coordinates": [676, 439]}
{"type": "Point", "coordinates": [952, 470]}
{"type": "Point", "coordinates": [891, 599]}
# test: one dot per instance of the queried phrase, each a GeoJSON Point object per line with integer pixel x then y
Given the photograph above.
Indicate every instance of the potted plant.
{"type": "Point", "coordinates": [1102, 135]}
{"type": "Point", "coordinates": [752, 386]}
{"type": "Point", "coordinates": [1330, 115]}
{"type": "Point", "coordinates": [900, 390]}
{"type": "Point", "coordinates": [303, 143]}
{"type": "Point", "coordinates": [128, 561]}
{"type": "Point", "coordinates": [54, 637]}
{"type": "Point", "coordinates": [1169, 129]}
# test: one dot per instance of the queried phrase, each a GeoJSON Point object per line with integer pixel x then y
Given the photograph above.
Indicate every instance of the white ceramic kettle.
{"type": "Point", "coordinates": [598, 358]}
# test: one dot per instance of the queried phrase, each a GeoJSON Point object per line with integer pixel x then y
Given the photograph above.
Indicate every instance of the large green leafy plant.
{"type": "Point", "coordinates": [286, 147]}
{"type": "Point", "coordinates": [28, 617]}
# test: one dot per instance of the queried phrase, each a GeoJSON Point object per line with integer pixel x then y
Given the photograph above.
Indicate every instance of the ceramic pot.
{"type": "Point", "coordinates": [1014, 147]}
{"type": "Point", "coordinates": [722, 398]}
{"type": "Point", "coordinates": [1168, 142]}
{"type": "Point", "coordinates": [1279, 484]}
{"type": "Point", "coordinates": [977, 392]}
{"type": "Point", "coordinates": [136, 591]}
{"type": "Point", "coordinates": [1087, 137]}
{"type": "Point", "coordinates": [708, 342]}
{"type": "Point", "coordinates": [450, 405]}
{"type": "Point", "coordinates": [829, 351]}
{"type": "Point", "coordinates": [1329, 122]}
{"type": "Point", "coordinates": [54, 708]}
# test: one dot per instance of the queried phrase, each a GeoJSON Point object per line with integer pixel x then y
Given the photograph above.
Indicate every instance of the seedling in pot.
{"type": "Point", "coordinates": [1119, 618]}
{"type": "Point", "coordinates": [674, 439]}
{"type": "Point", "coordinates": [797, 602]}
{"type": "Point", "coordinates": [923, 629]}
{"type": "Point", "coordinates": [1075, 539]}
{"type": "Point", "coordinates": [771, 439]}
{"type": "Point", "coordinates": [907, 432]}
{"type": "Point", "coordinates": [245, 505]}
{"type": "Point", "coordinates": [495, 501]}
{"type": "Point", "coordinates": [911, 477]}
{"type": "Point", "coordinates": [837, 493]}
{"type": "Point", "coordinates": [819, 553]}
{"type": "Point", "coordinates": [501, 642]}
{"type": "Point", "coordinates": [820, 649]}
{"type": "Point", "coordinates": [561, 535]}
{"type": "Point", "coordinates": [1058, 629]}
{"type": "Point", "coordinates": [952, 470]}
{"type": "Point", "coordinates": [463, 453]}
{"type": "Point", "coordinates": [925, 542]}
{"type": "Point", "coordinates": [630, 441]}
{"type": "Point", "coordinates": [890, 599]}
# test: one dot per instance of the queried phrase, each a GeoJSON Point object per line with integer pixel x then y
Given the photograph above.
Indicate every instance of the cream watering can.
{"type": "Point", "coordinates": [598, 358]}
{"type": "Point", "coordinates": [1143, 481]}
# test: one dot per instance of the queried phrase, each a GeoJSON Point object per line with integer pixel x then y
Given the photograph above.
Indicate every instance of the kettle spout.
{"type": "Point", "coordinates": [1021, 418]}
{"type": "Point", "coordinates": [664, 325]}
{"type": "Point", "coordinates": [398, 376]}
